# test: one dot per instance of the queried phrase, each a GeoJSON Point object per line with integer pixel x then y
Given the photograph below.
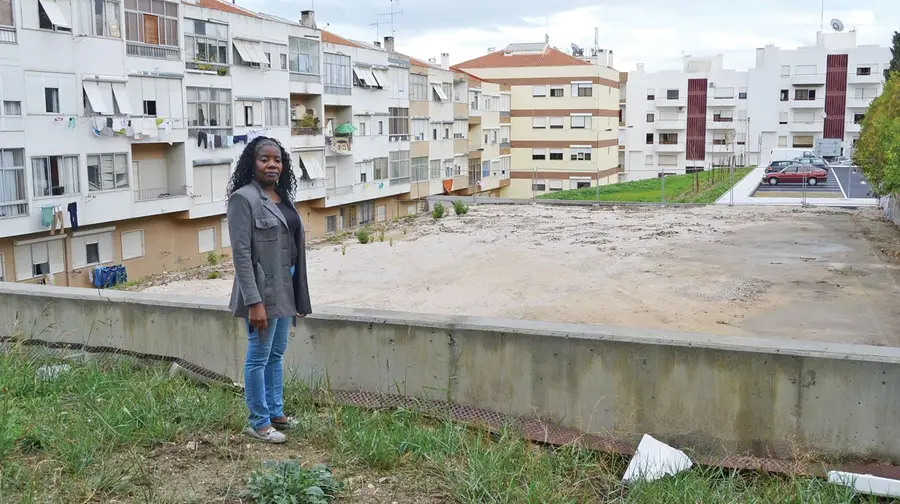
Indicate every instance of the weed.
{"type": "Point", "coordinates": [460, 208]}
{"type": "Point", "coordinates": [343, 249]}
{"type": "Point", "coordinates": [212, 259]}
{"type": "Point", "coordinates": [288, 482]}
{"type": "Point", "coordinates": [213, 275]}
{"type": "Point", "coordinates": [438, 211]}
{"type": "Point", "coordinates": [392, 242]}
{"type": "Point", "coordinates": [364, 235]}
{"type": "Point", "coordinates": [337, 238]}
{"type": "Point", "coordinates": [381, 235]}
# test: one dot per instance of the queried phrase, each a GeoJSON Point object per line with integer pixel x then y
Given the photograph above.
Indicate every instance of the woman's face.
{"type": "Point", "coordinates": [268, 164]}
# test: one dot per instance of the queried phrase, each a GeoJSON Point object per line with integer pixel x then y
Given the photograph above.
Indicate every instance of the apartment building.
{"type": "Point", "coordinates": [490, 157]}
{"type": "Point", "coordinates": [563, 132]}
{"type": "Point", "coordinates": [707, 115]}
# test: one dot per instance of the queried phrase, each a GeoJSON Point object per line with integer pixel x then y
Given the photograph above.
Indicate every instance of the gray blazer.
{"type": "Point", "coordinates": [261, 246]}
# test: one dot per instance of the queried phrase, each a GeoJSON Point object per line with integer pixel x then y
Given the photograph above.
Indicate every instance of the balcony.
{"type": "Point", "coordinates": [872, 78]}
{"type": "Point", "coordinates": [333, 192]}
{"type": "Point", "coordinates": [158, 193]}
{"type": "Point", "coordinates": [304, 137]}
{"type": "Point", "coordinates": [808, 104]}
{"type": "Point", "coordinates": [723, 123]}
{"type": "Point", "coordinates": [859, 103]}
{"type": "Point", "coordinates": [721, 148]}
{"type": "Point", "coordinates": [671, 124]}
{"type": "Point", "coordinates": [807, 127]}
{"type": "Point", "coordinates": [722, 102]}
{"type": "Point", "coordinates": [152, 51]}
{"type": "Point", "coordinates": [338, 146]}
{"type": "Point", "coordinates": [7, 35]}
{"type": "Point", "coordinates": [207, 68]}
{"type": "Point", "coordinates": [13, 209]}
{"type": "Point", "coordinates": [808, 80]}
{"type": "Point", "coordinates": [852, 127]}
{"type": "Point", "coordinates": [670, 147]}
{"type": "Point", "coordinates": [504, 145]}
{"type": "Point", "coordinates": [664, 102]}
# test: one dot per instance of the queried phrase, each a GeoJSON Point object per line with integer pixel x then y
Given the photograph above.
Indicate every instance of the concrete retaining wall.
{"type": "Point", "coordinates": [891, 207]}
{"type": "Point", "coordinates": [714, 394]}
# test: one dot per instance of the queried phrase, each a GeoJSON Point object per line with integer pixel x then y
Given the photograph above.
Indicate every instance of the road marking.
{"type": "Point", "coordinates": [841, 186]}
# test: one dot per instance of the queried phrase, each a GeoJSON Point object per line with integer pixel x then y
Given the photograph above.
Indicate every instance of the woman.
{"type": "Point", "coordinates": [270, 288]}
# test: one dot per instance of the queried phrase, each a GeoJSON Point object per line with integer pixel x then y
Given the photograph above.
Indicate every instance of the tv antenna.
{"type": "Point", "coordinates": [392, 13]}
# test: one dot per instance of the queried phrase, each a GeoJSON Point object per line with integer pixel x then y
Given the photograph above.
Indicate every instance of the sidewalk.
{"type": "Point", "coordinates": [744, 189]}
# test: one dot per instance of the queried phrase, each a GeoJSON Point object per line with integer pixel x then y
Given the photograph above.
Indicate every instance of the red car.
{"type": "Point", "coordinates": [797, 174]}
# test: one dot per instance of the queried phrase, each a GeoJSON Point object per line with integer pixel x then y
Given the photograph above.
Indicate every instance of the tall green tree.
{"type": "Point", "coordinates": [877, 151]}
{"type": "Point", "coordinates": [895, 56]}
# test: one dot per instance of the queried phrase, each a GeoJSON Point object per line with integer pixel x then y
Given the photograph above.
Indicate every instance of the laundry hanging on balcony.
{"type": "Point", "coordinates": [105, 277]}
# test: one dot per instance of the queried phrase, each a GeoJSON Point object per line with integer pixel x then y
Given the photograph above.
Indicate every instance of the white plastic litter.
{"type": "Point", "coordinates": [866, 483]}
{"type": "Point", "coordinates": [51, 372]}
{"type": "Point", "coordinates": [654, 460]}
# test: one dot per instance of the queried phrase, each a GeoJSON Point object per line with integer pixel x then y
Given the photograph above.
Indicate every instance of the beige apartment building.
{"type": "Point", "coordinates": [489, 132]}
{"type": "Point", "coordinates": [564, 117]}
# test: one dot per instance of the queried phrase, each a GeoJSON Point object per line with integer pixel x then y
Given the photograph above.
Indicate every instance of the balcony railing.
{"type": "Point", "coordinates": [339, 191]}
{"type": "Point", "coordinates": [157, 193]}
{"type": "Point", "coordinates": [310, 184]}
{"type": "Point", "coordinates": [13, 209]}
{"type": "Point", "coordinates": [504, 113]}
{"type": "Point", "coordinates": [7, 35]}
{"type": "Point", "coordinates": [504, 145]}
{"type": "Point", "coordinates": [399, 180]}
{"type": "Point", "coordinates": [152, 51]}
{"type": "Point", "coordinates": [203, 66]}
{"type": "Point", "coordinates": [303, 131]}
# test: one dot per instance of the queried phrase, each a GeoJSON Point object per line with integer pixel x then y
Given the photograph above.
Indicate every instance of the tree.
{"type": "Point", "coordinates": [877, 151]}
{"type": "Point", "coordinates": [895, 56]}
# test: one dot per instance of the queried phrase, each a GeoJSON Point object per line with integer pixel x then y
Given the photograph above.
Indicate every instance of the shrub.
{"type": "Point", "coordinates": [460, 208]}
{"type": "Point", "coordinates": [876, 151]}
{"type": "Point", "coordinates": [381, 235]}
{"type": "Point", "coordinates": [364, 235]}
{"type": "Point", "coordinates": [288, 482]}
{"type": "Point", "coordinates": [213, 275]}
{"type": "Point", "coordinates": [438, 211]}
{"type": "Point", "coordinates": [212, 259]}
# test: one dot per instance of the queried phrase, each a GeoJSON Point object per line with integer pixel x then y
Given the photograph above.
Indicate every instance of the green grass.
{"type": "Point", "coordinates": [679, 189]}
{"type": "Point", "coordinates": [85, 437]}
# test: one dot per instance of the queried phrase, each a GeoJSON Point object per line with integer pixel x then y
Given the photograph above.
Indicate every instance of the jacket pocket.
{"type": "Point", "coordinates": [266, 229]}
{"type": "Point", "coordinates": [264, 285]}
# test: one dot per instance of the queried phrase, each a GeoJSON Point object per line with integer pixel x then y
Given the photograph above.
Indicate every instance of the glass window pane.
{"type": "Point", "coordinates": [171, 9]}
{"type": "Point", "coordinates": [144, 5]}
{"type": "Point", "coordinates": [204, 94]}
{"type": "Point", "coordinates": [199, 27]}
{"type": "Point", "coordinates": [222, 31]}
{"type": "Point", "coordinates": [157, 7]}
{"type": "Point", "coordinates": [131, 4]}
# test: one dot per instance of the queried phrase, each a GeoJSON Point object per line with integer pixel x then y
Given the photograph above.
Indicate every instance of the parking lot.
{"type": "Point", "coordinates": [843, 182]}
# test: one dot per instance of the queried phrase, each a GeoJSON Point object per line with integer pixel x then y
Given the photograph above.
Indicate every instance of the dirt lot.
{"type": "Point", "coordinates": [827, 275]}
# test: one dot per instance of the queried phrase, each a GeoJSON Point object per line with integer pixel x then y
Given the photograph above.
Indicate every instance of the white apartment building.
{"type": "Point", "coordinates": [707, 115]}
{"type": "Point", "coordinates": [490, 158]}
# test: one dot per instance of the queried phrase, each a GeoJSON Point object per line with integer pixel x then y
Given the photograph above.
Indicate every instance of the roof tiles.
{"type": "Point", "coordinates": [502, 59]}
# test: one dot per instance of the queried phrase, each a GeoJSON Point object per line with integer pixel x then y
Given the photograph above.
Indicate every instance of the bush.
{"type": "Point", "coordinates": [288, 482]}
{"type": "Point", "coordinates": [438, 211]}
{"type": "Point", "coordinates": [460, 208]}
{"type": "Point", "coordinates": [364, 235]}
{"type": "Point", "coordinates": [877, 151]}
{"type": "Point", "coordinates": [212, 259]}
{"type": "Point", "coordinates": [213, 275]}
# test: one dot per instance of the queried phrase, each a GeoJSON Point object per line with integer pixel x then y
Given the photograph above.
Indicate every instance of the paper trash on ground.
{"type": "Point", "coordinates": [653, 460]}
{"type": "Point", "coordinates": [866, 483]}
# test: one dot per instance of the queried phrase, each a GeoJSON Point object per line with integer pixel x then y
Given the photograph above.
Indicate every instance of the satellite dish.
{"type": "Point", "coordinates": [837, 25]}
{"type": "Point", "coordinates": [577, 51]}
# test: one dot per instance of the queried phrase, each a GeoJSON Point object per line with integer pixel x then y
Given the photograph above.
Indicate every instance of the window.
{"type": "Point", "coordinates": [485, 169]}
{"type": "Point", "coordinates": [538, 122]}
{"type": "Point", "coordinates": [150, 108]}
{"type": "Point", "coordinates": [204, 42]}
{"type": "Point", "coordinates": [39, 259]}
{"type": "Point", "coordinates": [782, 141]}
{"type": "Point", "coordinates": [460, 128]}
{"type": "Point", "coordinates": [209, 111]}
{"type": "Point", "coordinates": [13, 200]}
{"type": "Point", "coordinates": [133, 243]}
{"type": "Point", "coordinates": [671, 94]}
{"type": "Point", "coordinates": [381, 213]}
{"type": "Point", "coordinates": [784, 95]}
{"type": "Point", "coordinates": [153, 22]}
{"type": "Point", "coordinates": [581, 122]}
{"type": "Point", "coordinates": [12, 108]}
{"type": "Point", "coordinates": [650, 117]}
{"type": "Point", "coordinates": [804, 94]}
{"type": "Point", "coordinates": [303, 55]}
{"type": "Point", "coordinates": [742, 93]}
{"type": "Point", "coordinates": [276, 112]}
{"type": "Point", "coordinates": [803, 141]}
{"type": "Point", "coordinates": [338, 73]}
{"type": "Point", "coordinates": [398, 123]}
{"type": "Point", "coordinates": [556, 154]}
{"type": "Point", "coordinates": [858, 118]}
{"type": "Point", "coordinates": [51, 100]}
{"type": "Point", "coordinates": [648, 160]}
{"type": "Point", "coordinates": [92, 249]}
{"type": "Point", "coordinates": [100, 18]}
{"type": "Point", "coordinates": [380, 168]}
{"type": "Point", "coordinates": [2, 269]}
{"type": "Point", "coordinates": [6, 19]}
{"type": "Point", "coordinates": [539, 91]}
{"type": "Point", "coordinates": [381, 127]}
{"type": "Point", "coordinates": [580, 184]}
{"type": "Point", "coordinates": [557, 92]}
{"type": "Point", "coordinates": [419, 167]}
{"type": "Point", "coordinates": [107, 172]}
{"type": "Point", "coordinates": [651, 94]}
{"type": "Point", "coordinates": [283, 58]}
{"type": "Point", "coordinates": [434, 169]}
{"type": "Point", "coordinates": [785, 70]}
{"type": "Point", "coordinates": [55, 175]}
{"type": "Point", "coordinates": [582, 89]}
{"type": "Point", "coordinates": [538, 153]}
{"type": "Point", "coordinates": [782, 118]}
{"type": "Point", "coordinates": [419, 126]}
{"type": "Point", "coordinates": [51, 17]}
{"type": "Point", "coordinates": [206, 240]}
{"type": "Point", "coordinates": [723, 116]}
{"type": "Point", "coordinates": [580, 153]}
{"type": "Point", "coordinates": [863, 70]}
{"type": "Point", "coordinates": [556, 185]}
{"type": "Point", "coordinates": [668, 138]}
{"type": "Point", "coordinates": [539, 186]}
{"type": "Point", "coordinates": [556, 123]}
{"type": "Point", "coordinates": [418, 87]}
{"type": "Point", "coordinates": [399, 165]}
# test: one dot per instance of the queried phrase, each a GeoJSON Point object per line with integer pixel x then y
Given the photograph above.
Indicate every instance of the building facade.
{"type": "Point", "coordinates": [563, 132]}
{"type": "Point", "coordinates": [706, 115]}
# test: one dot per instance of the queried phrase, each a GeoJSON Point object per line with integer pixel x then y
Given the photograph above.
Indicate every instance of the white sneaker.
{"type": "Point", "coordinates": [270, 436]}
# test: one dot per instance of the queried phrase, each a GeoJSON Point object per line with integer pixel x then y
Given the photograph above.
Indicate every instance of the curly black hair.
{"type": "Point", "coordinates": [246, 167]}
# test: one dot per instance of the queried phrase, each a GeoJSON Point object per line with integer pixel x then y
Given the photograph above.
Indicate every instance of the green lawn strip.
{"type": "Point", "coordinates": [70, 439]}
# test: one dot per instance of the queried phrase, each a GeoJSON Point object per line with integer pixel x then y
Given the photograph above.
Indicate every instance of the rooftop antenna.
{"type": "Point", "coordinates": [392, 14]}
{"type": "Point", "coordinates": [837, 25]}
{"type": "Point", "coordinates": [822, 17]}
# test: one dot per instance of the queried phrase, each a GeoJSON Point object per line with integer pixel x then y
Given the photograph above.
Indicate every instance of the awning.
{"type": "Point", "coordinates": [366, 77]}
{"type": "Point", "coordinates": [249, 51]}
{"type": "Point", "coordinates": [313, 168]}
{"type": "Point", "coordinates": [440, 92]}
{"type": "Point", "coordinates": [380, 78]}
{"type": "Point", "coordinates": [97, 97]}
{"type": "Point", "coordinates": [55, 14]}
{"type": "Point", "coordinates": [121, 98]}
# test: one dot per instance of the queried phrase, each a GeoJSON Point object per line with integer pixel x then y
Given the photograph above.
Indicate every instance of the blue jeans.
{"type": "Point", "coordinates": [264, 372]}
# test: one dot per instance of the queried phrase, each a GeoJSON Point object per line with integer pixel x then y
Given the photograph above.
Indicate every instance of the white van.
{"type": "Point", "coordinates": [785, 154]}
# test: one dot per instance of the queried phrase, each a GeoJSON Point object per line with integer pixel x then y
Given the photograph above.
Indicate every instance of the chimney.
{"type": "Point", "coordinates": [389, 44]}
{"type": "Point", "coordinates": [308, 19]}
{"type": "Point", "coordinates": [445, 61]}
{"type": "Point", "coordinates": [609, 61]}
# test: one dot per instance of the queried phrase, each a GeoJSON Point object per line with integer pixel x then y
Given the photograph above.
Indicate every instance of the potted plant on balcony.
{"type": "Point", "coordinates": [306, 125]}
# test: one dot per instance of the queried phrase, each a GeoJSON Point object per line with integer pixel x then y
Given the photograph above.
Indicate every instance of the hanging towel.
{"type": "Point", "coordinates": [229, 141]}
{"type": "Point", "coordinates": [240, 139]}
{"type": "Point", "coordinates": [217, 142]}
{"type": "Point", "coordinates": [159, 120]}
{"type": "Point", "coordinates": [109, 122]}
{"type": "Point", "coordinates": [72, 123]}
{"type": "Point", "coordinates": [57, 220]}
{"type": "Point", "coordinates": [167, 126]}
{"type": "Point", "coordinates": [46, 216]}
{"type": "Point", "coordinates": [73, 215]}
{"type": "Point", "coordinates": [201, 140]}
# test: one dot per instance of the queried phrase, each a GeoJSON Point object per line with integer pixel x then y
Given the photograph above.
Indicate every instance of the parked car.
{"type": "Point", "coordinates": [813, 161]}
{"type": "Point", "coordinates": [798, 174]}
{"type": "Point", "coordinates": [777, 166]}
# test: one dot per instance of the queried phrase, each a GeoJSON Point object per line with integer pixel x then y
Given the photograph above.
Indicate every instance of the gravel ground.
{"type": "Point", "coordinates": [822, 274]}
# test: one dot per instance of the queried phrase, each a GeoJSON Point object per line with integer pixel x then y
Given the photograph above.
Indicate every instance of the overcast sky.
{"type": "Point", "coordinates": [654, 32]}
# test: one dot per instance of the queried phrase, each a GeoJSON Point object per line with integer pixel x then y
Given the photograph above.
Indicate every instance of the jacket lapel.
{"type": "Point", "coordinates": [269, 204]}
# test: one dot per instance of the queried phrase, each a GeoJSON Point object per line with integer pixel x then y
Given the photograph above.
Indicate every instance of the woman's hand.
{"type": "Point", "coordinates": [257, 316]}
